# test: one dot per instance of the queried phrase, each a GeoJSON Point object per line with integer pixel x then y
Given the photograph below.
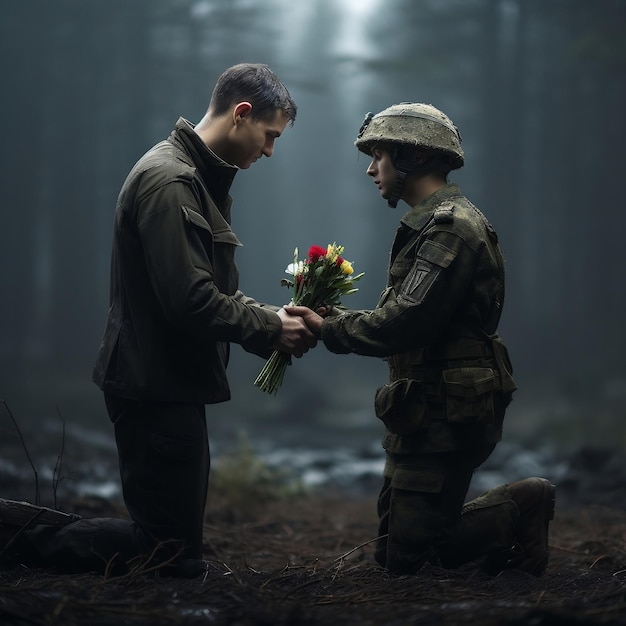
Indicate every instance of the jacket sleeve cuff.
{"type": "Point", "coordinates": [260, 343]}
{"type": "Point", "coordinates": [333, 333]}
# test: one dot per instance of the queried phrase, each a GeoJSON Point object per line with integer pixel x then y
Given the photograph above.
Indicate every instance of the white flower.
{"type": "Point", "coordinates": [295, 268]}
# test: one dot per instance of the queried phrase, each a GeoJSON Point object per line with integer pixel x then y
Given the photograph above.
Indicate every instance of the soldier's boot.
{"type": "Point", "coordinates": [485, 533]}
{"type": "Point", "coordinates": [535, 500]}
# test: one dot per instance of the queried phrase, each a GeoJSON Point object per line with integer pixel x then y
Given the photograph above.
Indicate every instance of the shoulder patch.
{"type": "Point", "coordinates": [444, 213]}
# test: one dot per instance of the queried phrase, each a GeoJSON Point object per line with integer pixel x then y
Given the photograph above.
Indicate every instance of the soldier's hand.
{"type": "Point", "coordinates": [325, 311]}
{"type": "Point", "coordinates": [310, 317]}
{"type": "Point", "coordinates": [295, 338]}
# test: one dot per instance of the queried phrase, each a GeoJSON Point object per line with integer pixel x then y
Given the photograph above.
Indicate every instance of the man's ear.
{"type": "Point", "coordinates": [241, 111]}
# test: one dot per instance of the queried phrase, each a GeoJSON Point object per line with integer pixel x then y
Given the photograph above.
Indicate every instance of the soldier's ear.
{"type": "Point", "coordinates": [419, 157]}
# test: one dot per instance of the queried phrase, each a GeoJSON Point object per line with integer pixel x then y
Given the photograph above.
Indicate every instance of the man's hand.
{"type": "Point", "coordinates": [310, 317]}
{"type": "Point", "coordinates": [296, 338]}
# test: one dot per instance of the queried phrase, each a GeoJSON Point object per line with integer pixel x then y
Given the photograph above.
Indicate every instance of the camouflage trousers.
{"type": "Point", "coordinates": [423, 516]}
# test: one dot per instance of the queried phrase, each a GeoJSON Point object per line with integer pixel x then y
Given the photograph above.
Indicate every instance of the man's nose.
{"type": "Point", "coordinates": [268, 149]}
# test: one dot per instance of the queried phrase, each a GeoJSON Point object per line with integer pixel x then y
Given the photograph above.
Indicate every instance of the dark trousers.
{"type": "Point", "coordinates": [423, 517]}
{"type": "Point", "coordinates": [164, 468]}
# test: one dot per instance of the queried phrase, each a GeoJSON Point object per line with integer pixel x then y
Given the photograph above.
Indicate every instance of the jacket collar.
{"type": "Point", "coordinates": [217, 174]}
{"type": "Point", "coordinates": [417, 217]}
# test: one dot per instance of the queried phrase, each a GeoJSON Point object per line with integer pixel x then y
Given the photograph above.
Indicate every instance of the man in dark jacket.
{"type": "Point", "coordinates": [450, 374]}
{"type": "Point", "coordinates": [174, 309]}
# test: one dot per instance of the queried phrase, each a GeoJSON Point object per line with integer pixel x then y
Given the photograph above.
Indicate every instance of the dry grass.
{"type": "Point", "coordinates": [308, 561]}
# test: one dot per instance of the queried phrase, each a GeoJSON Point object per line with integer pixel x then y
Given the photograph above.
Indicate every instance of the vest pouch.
{"type": "Point", "coordinates": [504, 364]}
{"type": "Point", "coordinates": [469, 394]}
{"type": "Point", "coordinates": [401, 406]}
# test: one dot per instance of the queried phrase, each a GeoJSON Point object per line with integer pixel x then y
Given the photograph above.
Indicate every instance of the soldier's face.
{"type": "Point", "coordinates": [382, 171]}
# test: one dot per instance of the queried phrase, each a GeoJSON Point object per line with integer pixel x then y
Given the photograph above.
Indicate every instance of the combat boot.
{"type": "Point", "coordinates": [535, 499]}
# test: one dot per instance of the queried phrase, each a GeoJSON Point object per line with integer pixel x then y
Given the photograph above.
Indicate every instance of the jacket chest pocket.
{"type": "Point", "coordinates": [219, 245]}
{"type": "Point", "coordinates": [217, 234]}
{"type": "Point", "coordinates": [225, 272]}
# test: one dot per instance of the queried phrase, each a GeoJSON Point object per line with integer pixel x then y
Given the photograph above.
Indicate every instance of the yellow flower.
{"type": "Point", "coordinates": [322, 278]}
{"type": "Point", "coordinates": [346, 267]}
{"type": "Point", "coordinates": [333, 251]}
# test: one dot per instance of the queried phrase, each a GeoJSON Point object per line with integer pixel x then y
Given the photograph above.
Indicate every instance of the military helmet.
{"type": "Point", "coordinates": [414, 124]}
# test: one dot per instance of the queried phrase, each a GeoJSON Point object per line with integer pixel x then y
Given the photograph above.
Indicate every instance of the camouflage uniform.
{"type": "Point", "coordinates": [450, 382]}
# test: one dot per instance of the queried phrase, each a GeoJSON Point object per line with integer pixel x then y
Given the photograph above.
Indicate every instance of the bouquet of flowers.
{"type": "Point", "coordinates": [321, 279]}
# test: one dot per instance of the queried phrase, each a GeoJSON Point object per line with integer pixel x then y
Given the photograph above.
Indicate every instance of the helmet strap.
{"type": "Point", "coordinates": [405, 165]}
{"type": "Point", "coordinates": [398, 188]}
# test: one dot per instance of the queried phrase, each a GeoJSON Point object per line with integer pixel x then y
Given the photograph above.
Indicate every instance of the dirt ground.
{"type": "Point", "coordinates": [308, 561]}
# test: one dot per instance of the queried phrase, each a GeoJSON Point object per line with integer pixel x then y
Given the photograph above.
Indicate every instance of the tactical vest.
{"type": "Point", "coordinates": [451, 394]}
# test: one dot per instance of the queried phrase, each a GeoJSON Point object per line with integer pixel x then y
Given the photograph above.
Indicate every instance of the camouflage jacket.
{"type": "Point", "coordinates": [450, 375]}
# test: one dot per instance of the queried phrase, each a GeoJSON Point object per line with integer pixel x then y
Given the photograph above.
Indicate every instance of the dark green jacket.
{"type": "Point", "coordinates": [436, 323]}
{"type": "Point", "coordinates": [174, 303]}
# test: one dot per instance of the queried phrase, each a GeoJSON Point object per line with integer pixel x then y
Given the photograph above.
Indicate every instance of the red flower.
{"type": "Point", "coordinates": [316, 253]}
{"type": "Point", "coordinates": [316, 282]}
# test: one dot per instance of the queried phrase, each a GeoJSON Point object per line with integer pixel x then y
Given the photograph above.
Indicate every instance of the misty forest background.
{"type": "Point", "coordinates": [536, 87]}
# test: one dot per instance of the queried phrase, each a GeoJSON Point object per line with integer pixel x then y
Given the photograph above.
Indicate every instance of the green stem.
{"type": "Point", "coordinates": [270, 378]}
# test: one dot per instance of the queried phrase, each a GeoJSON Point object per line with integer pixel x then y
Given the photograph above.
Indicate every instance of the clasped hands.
{"type": "Point", "coordinates": [301, 328]}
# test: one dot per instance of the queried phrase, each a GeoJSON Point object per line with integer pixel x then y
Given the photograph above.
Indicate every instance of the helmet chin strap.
{"type": "Point", "coordinates": [405, 165]}
{"type": "Point", "coordinates": [398, 188]}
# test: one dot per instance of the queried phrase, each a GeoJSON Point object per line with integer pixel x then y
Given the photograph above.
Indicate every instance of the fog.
{"type": "Point", "coordinates": [536, 88]}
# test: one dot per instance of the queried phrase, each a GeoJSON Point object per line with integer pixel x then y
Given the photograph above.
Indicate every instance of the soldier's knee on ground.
{"type": "Point", "coordinates": [416, 520]}
{"type": "Point", "coordinates": [402, 559]}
